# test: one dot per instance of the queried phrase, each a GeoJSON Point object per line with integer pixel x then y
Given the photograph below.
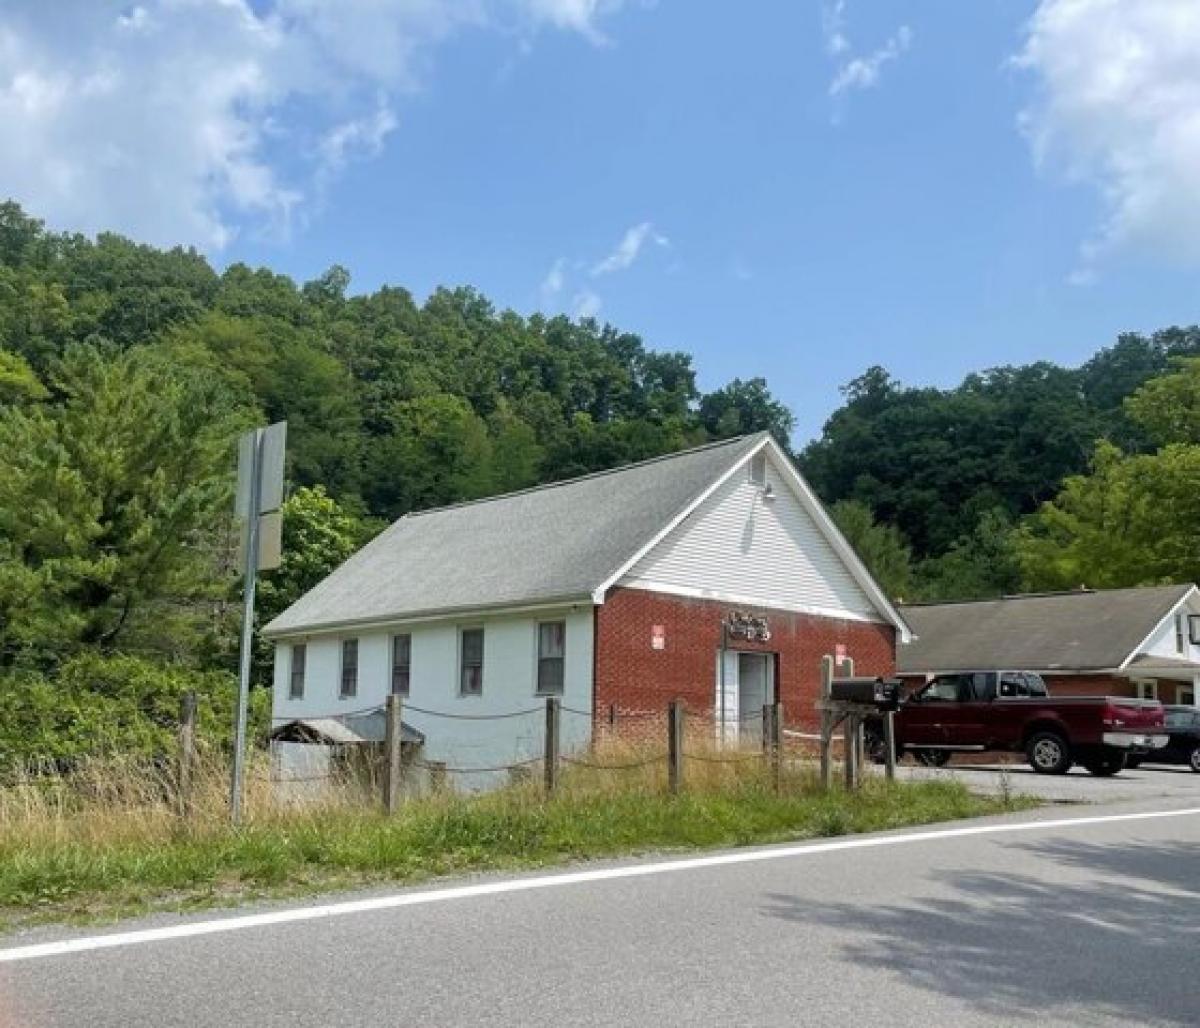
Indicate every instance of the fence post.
{"type": "Point", "coordinates": [777, 745]}
{"type": "Point", "coordinates": [393, 736]}
{"type": "Point", "coordinates": [551, 759]}
{"type": "Point", "coordinates": [826, 723]}
{"type": "Point", "coordinates": [889, 744]}
{"type": "Point", "coordinates": [850, 749]}
{"type": "Point", "coordinates": [675, 745]}
{"type": "Point", "coordinates": [187, 751]}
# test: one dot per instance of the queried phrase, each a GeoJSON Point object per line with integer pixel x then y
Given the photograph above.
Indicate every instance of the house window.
{"type": "Point", "coordinates": [296, 675]}
{"type": "Point", "coordinates": [1178, 633]}
{"type": "Point", "coordinates": [758, 469]}
{"type": "Point", "coordinates": [1194, 629]}
{"type": "Point", "coordinates": [1147, 689]}
{"type": "Point", "coordinates": [1186, 695]}
{"type": "Point", "coordinates": [471, 662]}
{"type": "Point", "coordinates": [349, 684]}
{"type": "Point", "coordinates": [401, 663]}
{"type": "Point", "coordinates": [552, 648]}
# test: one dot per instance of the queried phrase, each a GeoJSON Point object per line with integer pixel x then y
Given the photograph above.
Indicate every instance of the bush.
{"type": "Point", "coordinates": [98, 705]}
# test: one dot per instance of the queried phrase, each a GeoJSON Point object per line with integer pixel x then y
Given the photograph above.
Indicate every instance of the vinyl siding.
{"type": "Point", "coordinates": [738, 546]}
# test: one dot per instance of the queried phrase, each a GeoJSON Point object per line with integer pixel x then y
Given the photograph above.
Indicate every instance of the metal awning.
{"type": "Point", "coordinates": [354, 730]}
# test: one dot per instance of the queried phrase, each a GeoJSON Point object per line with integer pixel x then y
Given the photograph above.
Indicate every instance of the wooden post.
{"type": "Point", "coordinates": [551, 758]}
{"type": "Point", "coordinates": [675, 745]}
{"type": "Point", "coordinates": [777, 745]}
{"type": "Point", "coordinates": [393, 735]}
{"type": "Point", "coordinates": [826, 723]}
{"type": "Point", "coordinates": [187, 751]}
{"type": "Point", "coordinates": [850, 749]}
{"type": "Point", "coordinates": [889, 744]}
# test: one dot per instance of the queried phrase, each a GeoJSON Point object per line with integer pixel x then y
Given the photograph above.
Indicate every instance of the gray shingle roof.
{"type": "Point", "coordinates": [1067, 631]}
{"type": "Point", "coordinates": [554, 542]}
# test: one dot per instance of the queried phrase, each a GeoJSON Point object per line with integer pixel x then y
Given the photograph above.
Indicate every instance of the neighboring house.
{"type": "Point", "coordinates": [609, 591]}
{"type": "Point", "coordinates": [1120, 642]}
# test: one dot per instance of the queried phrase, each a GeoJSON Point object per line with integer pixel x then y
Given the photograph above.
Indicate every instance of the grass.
{"type": "Point", "coordinates": [109, 843]}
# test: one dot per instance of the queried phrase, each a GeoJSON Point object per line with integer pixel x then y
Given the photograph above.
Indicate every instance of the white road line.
{"type": "Point", "coordinates": [412, 899]}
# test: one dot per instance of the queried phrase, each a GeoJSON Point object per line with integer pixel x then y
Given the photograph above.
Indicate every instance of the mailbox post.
{"type": "Point", "coordinates": [847, 702]}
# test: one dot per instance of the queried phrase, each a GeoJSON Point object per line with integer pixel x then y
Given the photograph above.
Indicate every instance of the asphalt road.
{"type": "Point", "coordinates": [1088, 923]}
{"type": "Point", "coordinates": [1145, 783]}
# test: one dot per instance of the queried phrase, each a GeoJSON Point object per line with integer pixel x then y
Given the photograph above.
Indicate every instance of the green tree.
{"type": "Point", "coordinates": [743, 407]}
{"type": "Point", "coordinates": [881, 547]}
{"type": "Point", "coordinates": [978, 566]}
{"type": "Point", "coordinates": [1168, 408]}
{"type": "Point", "coordinates": [106, 493]}
{"type": "Point", "coordinates": [1131, 521]}
{"type": "Point", "coordinates": [18, 383]}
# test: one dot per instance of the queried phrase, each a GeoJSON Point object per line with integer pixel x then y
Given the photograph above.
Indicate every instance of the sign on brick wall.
{"type": "Point", "coordinates": [658, 637]}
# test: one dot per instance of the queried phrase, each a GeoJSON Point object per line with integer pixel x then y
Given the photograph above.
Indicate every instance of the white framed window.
{"type": "Point", "coordinates": [551, 657]}
{"type": "Point", "coordinates": [1179, 633]}
{"type": "Point", "coordinates": [296, 671]}
{"type": "Point", "coordinates": [348, 686]}
{"type": "Point", "coordinates": [1147, 688]}
{"type": "Point", "coordinates": [470, 661]}
{"type": "Point", "coordinates": [401, 663]}
{"type": "Point", "coordinates": [1186, 695]}
{"type": "Point", "coordinates": [1194, 629]}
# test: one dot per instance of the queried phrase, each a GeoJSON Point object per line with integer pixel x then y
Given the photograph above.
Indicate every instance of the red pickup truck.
{"type": "Point", "coordinates": [1012, 710]}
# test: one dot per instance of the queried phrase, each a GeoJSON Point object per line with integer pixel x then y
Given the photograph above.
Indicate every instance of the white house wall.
{"type": "Point", "coordinates": [471, 739]}
{"type": "Point", "coordinates": [741, 547]}
{"type": "Point", "coordinates": [1163, 642]}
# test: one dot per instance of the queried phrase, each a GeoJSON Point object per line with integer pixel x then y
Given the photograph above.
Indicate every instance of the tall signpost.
{"type": "Point", "coordinates": [259, 497]}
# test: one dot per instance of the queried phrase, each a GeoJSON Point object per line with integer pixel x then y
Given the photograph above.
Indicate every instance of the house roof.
{"type": "Point", "coordinates": [558, 542]}
{"type": "Point", "coordinates": [1039, 632]}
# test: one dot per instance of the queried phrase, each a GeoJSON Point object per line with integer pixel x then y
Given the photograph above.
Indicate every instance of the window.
{"type": "Point", "coordinates": [1036, 684]}
{"type": "Point", "coordinates": [296, 675]}
{"type": "Point", "coordinates": [1147, 689]}
{"type": "Point", "coordinates": [349, 685]}
{"type": "Point", "coordinates": [1186, 696]}
{"type": "Point", "coordinates": [943, 690]}
{"type": "Point", "coordinates": [758, 469]}
{"type": "Point", "coordinates": [1178, 633]}
{"type": "Point", "coordinates": [470, 682]}
{"type": "Point", "coordinates": [552, 648]}
{"type": "Point", "coordinates": [1013, 686]}
{"type": "Point", "coordinates": [1194, 629]}
{"type": "Point", "coordinates": [401, 663]}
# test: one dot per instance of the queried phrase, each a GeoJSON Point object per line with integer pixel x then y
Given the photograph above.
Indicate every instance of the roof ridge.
{"type": "Point", "coordinates": [1052, 594]}
{"type": "Point", "coordinates": [544, 486]}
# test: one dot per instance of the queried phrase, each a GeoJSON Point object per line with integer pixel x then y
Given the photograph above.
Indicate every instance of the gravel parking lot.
{"type": "Point", "coordinates": [1144, 783]}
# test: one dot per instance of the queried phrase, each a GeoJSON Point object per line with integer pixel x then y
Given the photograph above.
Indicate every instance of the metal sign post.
{"type": "Point", "coordinates": [260, 491]}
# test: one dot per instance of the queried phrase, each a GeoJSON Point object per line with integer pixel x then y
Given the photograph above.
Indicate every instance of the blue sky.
{"type": "Point", "coordinates": [802, 189]}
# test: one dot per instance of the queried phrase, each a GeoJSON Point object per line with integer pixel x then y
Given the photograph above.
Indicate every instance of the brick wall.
{"type": "Point", "coordinates": [635, 678]}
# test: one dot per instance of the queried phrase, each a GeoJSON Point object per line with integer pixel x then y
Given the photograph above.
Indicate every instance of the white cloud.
{"type": "Point", "coordinates": [627, 250]}
{"type": "Point", "coordinates": [553, 283]}
{"type": "Point", "coordinates": [181, 121]}
{"type": "Point", "coordinates": [1119, 107]}
{"type": "Point", "coordinates": [833, 25]}
{"type": "Point", "coordinates": [863, 72]}
{"type": "Point", "coordinates": [586, 304]}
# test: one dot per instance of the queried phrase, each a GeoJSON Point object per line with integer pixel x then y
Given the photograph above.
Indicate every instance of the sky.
{"type": "Point", "coordinates": [796, 189]}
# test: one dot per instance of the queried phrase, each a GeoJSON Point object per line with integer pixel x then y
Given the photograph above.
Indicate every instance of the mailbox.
{"type": "Point", "coordinates": [867, 692]}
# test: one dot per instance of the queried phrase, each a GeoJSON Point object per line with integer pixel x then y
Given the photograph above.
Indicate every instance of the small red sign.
{"type": "Point", "coordinates": [658, 637]}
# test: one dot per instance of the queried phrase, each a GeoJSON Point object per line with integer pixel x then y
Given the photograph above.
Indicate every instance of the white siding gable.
{"type": "Point", "coordinates": [739, 546]}
{"type": "Point", "coordinates": [1163, 642]}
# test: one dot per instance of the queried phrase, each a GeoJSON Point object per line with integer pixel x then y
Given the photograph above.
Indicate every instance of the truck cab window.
{"type": "Point", "coordinates": [942, 690]}
{"type": "Point", "coordinates": [1012, 686]}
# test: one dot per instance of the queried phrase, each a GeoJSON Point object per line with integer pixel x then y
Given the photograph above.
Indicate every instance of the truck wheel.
{"type": "Point", "coordinates": [1106, 767]}
{"type": "Point", "coordinates": [1048, 754]}
{"type": "Point", "coordinates": [1194, 760]}
{"type": "Point", "coordinates": [932, 758]}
